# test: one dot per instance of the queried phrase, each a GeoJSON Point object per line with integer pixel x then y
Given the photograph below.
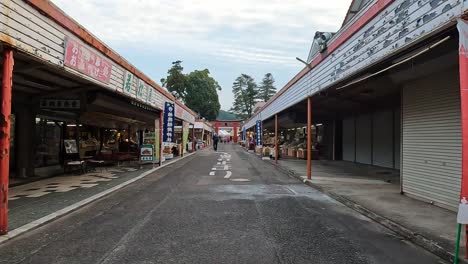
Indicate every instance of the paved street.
{"type": "Point", "coordinates": [224, 207]}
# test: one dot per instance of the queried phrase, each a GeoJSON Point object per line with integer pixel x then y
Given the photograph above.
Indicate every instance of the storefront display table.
{"type": "Point", "coordinates": [92, 164]}
{"type": "Point", "coordinates": [77, 165]}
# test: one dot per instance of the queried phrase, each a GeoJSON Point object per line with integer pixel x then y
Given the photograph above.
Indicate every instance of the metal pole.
{"type": "Point", "coordinates": [309, 138]}
{"type": "Point", "coordinates": [457, 246]}
{"type": "Point", "coordinates": [276, 138]}
{"type": "Point", "coordinates": [5, 124]}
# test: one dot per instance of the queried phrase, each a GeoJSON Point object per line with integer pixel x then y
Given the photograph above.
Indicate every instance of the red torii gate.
{"type": "Point", "coordinates": [235, 124]}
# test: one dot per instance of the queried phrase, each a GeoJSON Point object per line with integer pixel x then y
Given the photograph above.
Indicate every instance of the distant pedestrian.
{"type": "Point", "coordinates": [215, 142]}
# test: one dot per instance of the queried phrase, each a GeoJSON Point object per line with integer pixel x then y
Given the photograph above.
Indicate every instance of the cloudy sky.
{"type": "Point", "coordinates": [226, 37]}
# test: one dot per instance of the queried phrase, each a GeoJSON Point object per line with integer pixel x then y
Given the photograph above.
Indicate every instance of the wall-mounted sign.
{"type": "Point", "coordinates": [259, 132]}
{"type": "Point", "coordinates": [183, 114]}
{"type": "Point", "coordinates": [244, 134]}
{"type": "Point", "coordinates": [147, 152]}
{"type": "Point", "coordinates": [141, 90]}
{"type": "Point", "coordinates": [86, 61]}
{"type": "Point", "coordinates": [70, 104]}
{"type": "Point", "coordinates": [127, 82]}
{"type": "Point", "coordinates": [70, 146]}
{"type": "Point", "coordinates": [168, 124]}
{"type": "Point", "coordinates": [149, 97]}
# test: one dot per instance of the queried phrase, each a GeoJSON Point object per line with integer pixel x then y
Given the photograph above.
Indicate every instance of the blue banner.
{"type": "Point", "coordinates": [259, 133]}
{"type": "Point", "coordinates": [168, 124]}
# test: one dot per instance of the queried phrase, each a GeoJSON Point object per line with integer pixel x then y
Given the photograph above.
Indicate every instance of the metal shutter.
{"type": "Point", "coordinates": [382, 127]}
{"type": "Point", "coordinates": [431, 168]}
{"type": "Point", "coordinates": [348, 140]}
{"type": "Point", "coordinates": [364, 139]}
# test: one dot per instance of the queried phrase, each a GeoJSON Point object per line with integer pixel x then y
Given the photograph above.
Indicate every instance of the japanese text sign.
{"type": "Point", "coordinates": [127, 82]}
{"type": "Point", "coordinates": [84, 60]}
{"type": "Point", "coordinates": [168, 131]}
{"type": "Point", "coordinates": [259, 132]}
{"type": "Point", "coordinates": [141, 89]}
{"type": "Point", "coordinates": [149, 97]}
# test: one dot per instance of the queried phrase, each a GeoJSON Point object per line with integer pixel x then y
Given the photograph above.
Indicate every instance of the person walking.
{"type": "Point", "coordinates": [215, 142]}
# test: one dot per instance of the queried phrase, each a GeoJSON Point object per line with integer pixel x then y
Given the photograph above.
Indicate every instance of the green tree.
{"type": "Point", "coordinates": [198, 90]}
{"type": "Point", "coordinates": [201, 94]}
{"type": "Point", "coordinates": [175, 82]}
{"type": "Point", "coordinates": [267, 90]}
{"type": "Point", "coordinates": [245, 91]}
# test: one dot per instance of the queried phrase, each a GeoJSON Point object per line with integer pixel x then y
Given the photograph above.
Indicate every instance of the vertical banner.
{"type": "Point", "coordinates": [259, 132]}
{"type": "Point", "coordinates": [462, 26]}
{"type": "Point", "coordinates": [244, 134]}
{"type": "Point", "coordinates": [185, 133]}
{"type": "Point", "coordinates": [157, 132]}
{"type": "Point", "coordinates": [168, 125]}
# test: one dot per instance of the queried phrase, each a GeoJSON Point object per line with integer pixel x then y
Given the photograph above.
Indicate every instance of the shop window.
{"type": "Point", "coordinates": [47, 142]}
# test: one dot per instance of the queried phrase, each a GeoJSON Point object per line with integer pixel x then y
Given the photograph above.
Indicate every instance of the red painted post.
{"type": "Point", "coordinates": [5, 124]}
{"type": "Point", "coordinates": [161, 131]}
{"type": "Point", "coordinates": [309, 138]}
{"type": "Point", "coordinates": [236, 130]}
{"type": "Point", "coordinates": [193, 138]}
{"type": "Point", "coordinates": [463, 61]}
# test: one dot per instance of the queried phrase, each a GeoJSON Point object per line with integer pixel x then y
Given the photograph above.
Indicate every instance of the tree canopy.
{"type": "Point", "coordinates": [266, 90]}
{"type": "Point", "coordinates": [175, 81]}
{"type": "Point", "coordinates": [245, 91]}
{"type": "Point", "coordinates": [202, 94]}
{"type": "Point", "coordinates": [198, 90]}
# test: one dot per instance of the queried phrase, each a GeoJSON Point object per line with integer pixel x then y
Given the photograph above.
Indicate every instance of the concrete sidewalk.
{"type": "Point", "coordinates": [375, 192]}
{"type": "Point", "coordinates": [31, 203]}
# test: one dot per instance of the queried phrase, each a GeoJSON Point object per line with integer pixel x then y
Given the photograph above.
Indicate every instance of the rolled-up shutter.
{"type": "Point", "coordinates": [348, 139]}
{"type": "Point", "coordinates": [431, 168]}
{"type": "Point", "coordinates": [382, 127]}
{"type": "Point", "coordinates": [364, 139]}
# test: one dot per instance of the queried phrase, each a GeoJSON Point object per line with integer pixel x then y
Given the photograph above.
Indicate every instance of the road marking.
{"type": "Point", "coordinates": [213, 169]}
{"type": "Point", "coordinates": [228, 175]}
{"type": "Point", "coordinates": [226, 167]}
{"type": "Point", "coordinates": [224, 162]}
{"type": "Point", "coordinates": [218, 163]}
{"type": "Point", "coordinates": [212, 173]}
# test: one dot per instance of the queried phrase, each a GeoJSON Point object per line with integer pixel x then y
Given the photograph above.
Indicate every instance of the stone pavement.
{"type": "Point", "coordinates": [375, 192]}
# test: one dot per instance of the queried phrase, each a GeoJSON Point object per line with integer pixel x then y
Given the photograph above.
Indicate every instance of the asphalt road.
{"type": "Point", "coordinates": [241, 210]}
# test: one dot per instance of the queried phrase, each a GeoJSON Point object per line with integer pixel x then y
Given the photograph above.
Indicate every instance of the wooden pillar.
{"type": "Point", "coordinates": [276, 139]}
{"type": "Point", "coordinates": [5, 124]}
{"type": "Point", "coordinates": [309, 138]}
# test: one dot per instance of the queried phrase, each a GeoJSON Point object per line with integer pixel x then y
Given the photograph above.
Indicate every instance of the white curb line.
{"type": "Point", "coordinates": [36, 223]}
